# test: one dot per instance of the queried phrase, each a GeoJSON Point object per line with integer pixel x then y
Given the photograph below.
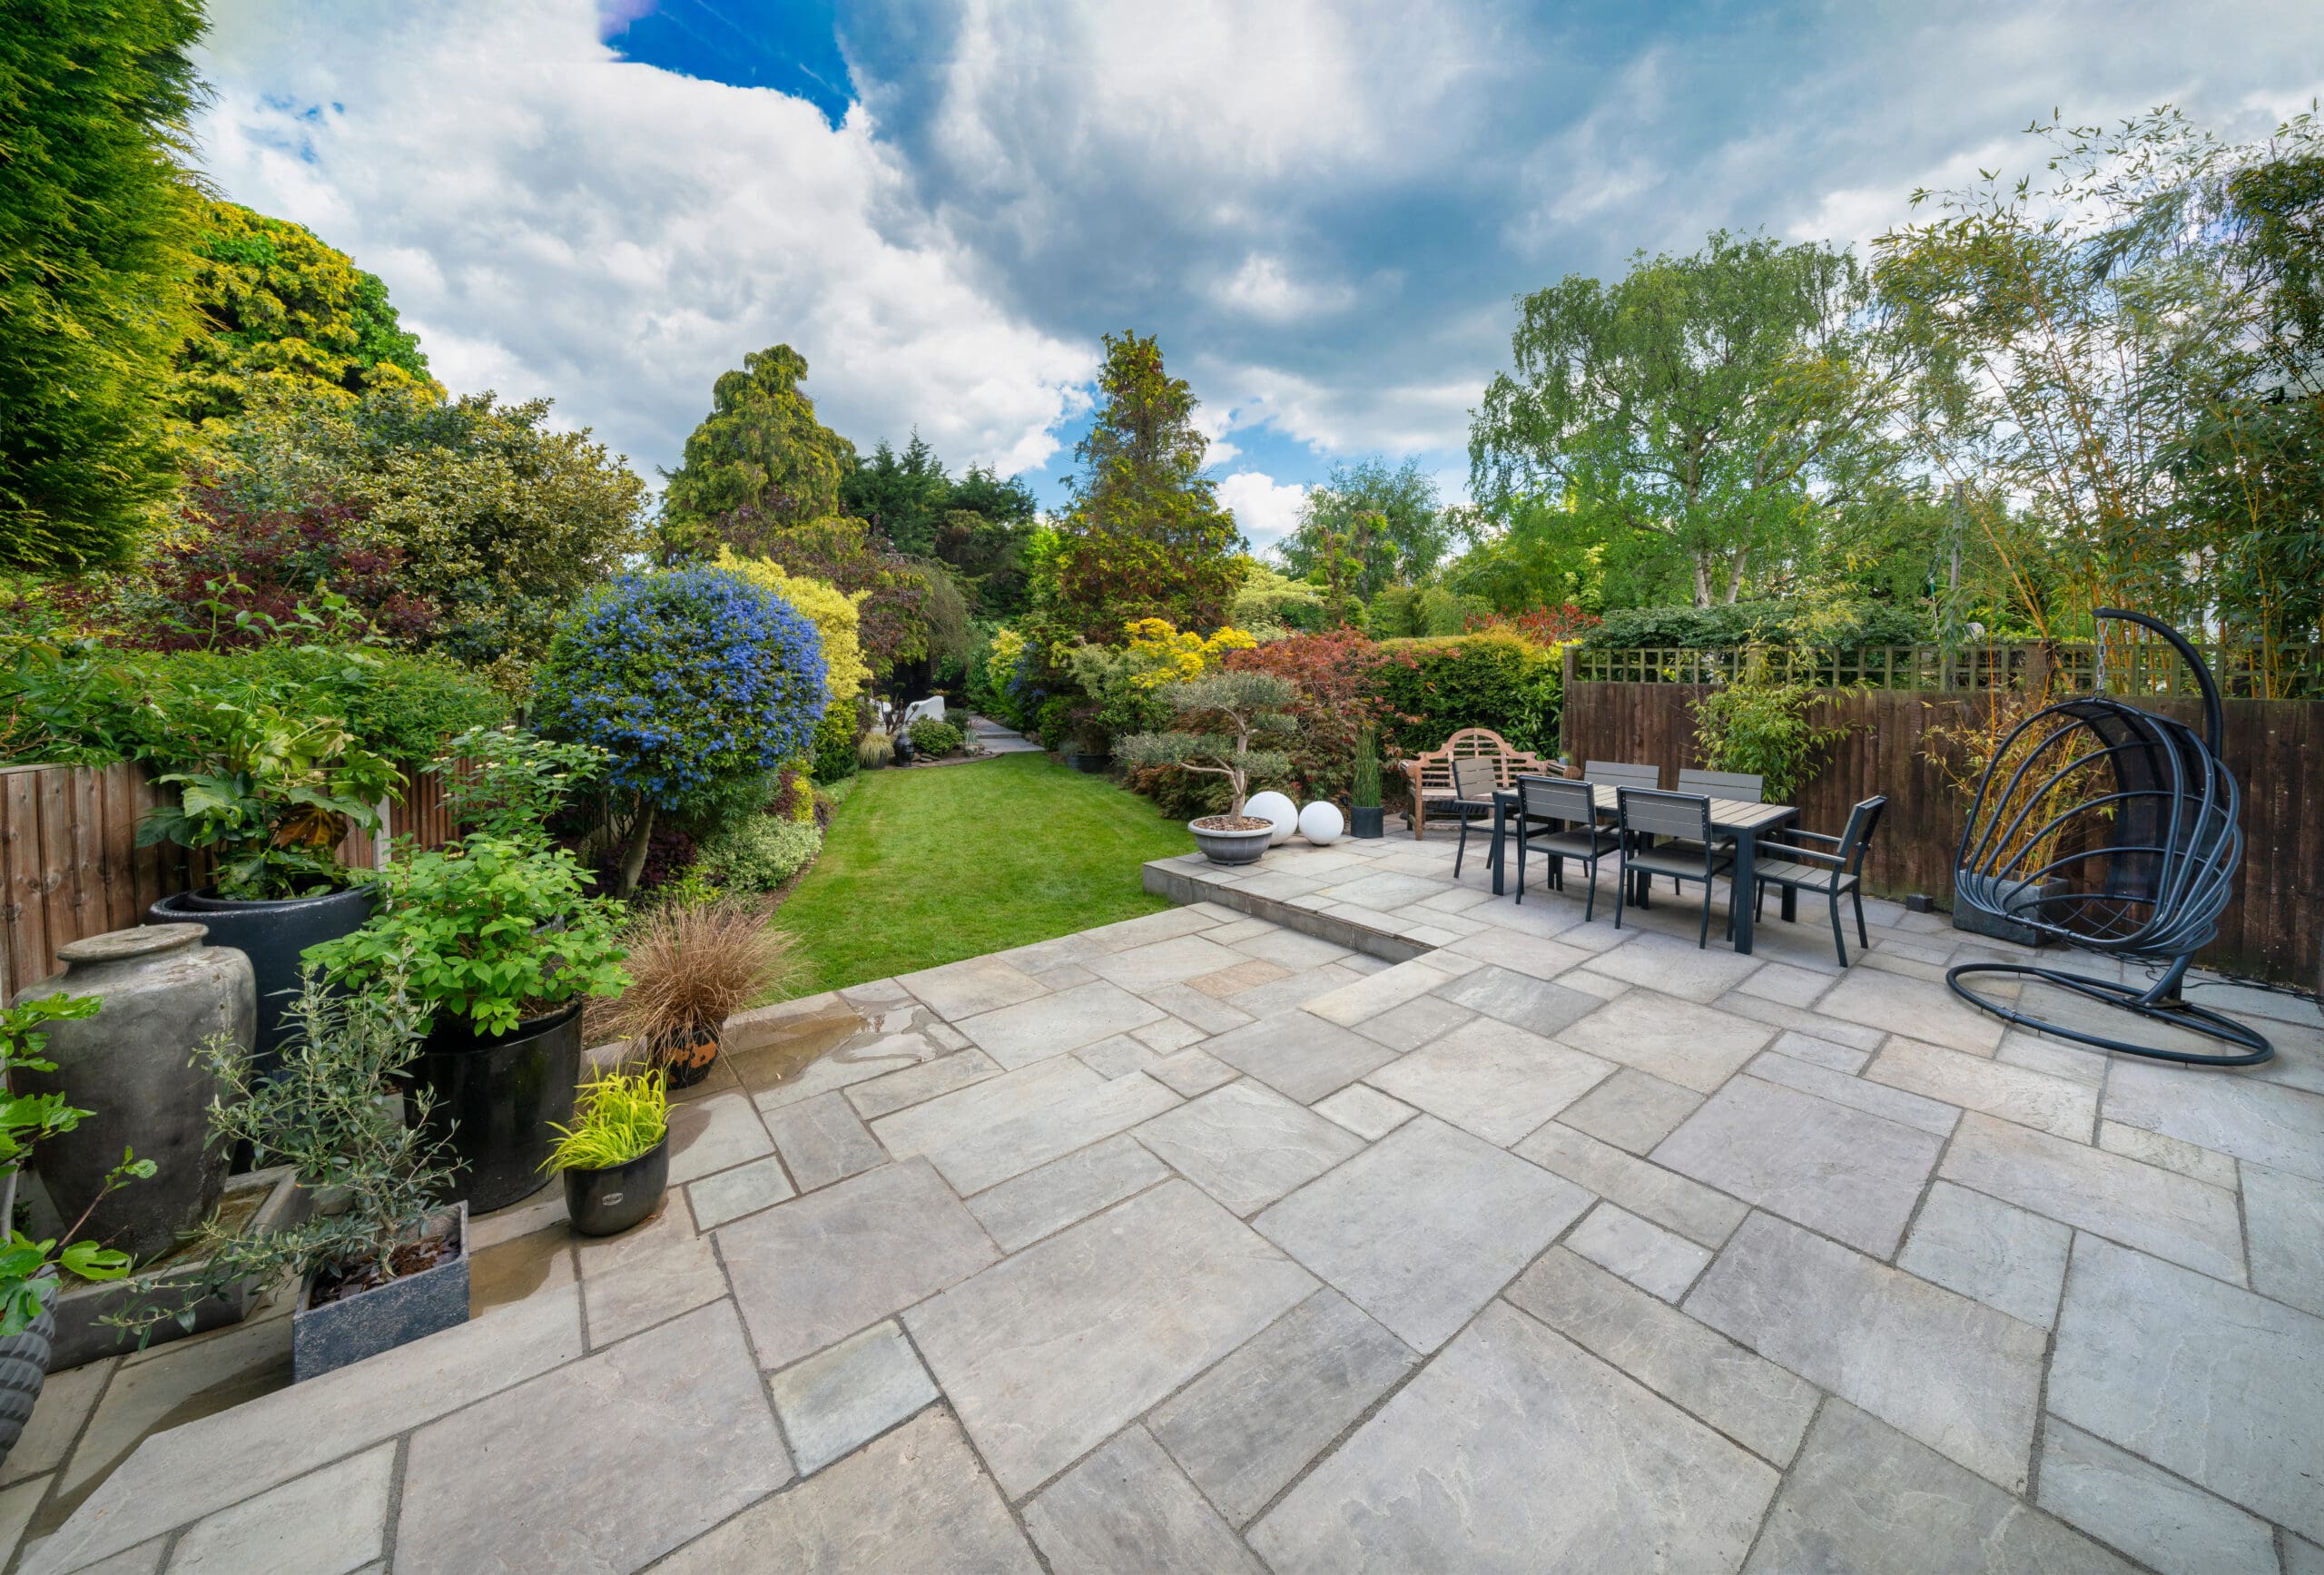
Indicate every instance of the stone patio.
{"type": "Point", "coordinates": [1342, 1218]}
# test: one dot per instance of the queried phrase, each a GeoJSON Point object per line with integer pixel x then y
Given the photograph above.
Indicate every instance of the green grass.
{"type": "Point", "coordinates": [926, 867]}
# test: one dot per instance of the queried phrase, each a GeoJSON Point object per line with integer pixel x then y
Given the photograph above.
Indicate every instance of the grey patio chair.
{"type": "Point", "coordinates": [1741, 786]}
{"type": "Point", "coordinates": [1834, 869]}
{"type": "Point", "coordinates": [1614, 774]}
{"type": "Point", "coordinates": [1474, 779]}
{"type": "Point", "coordinates": [1645, 814]}
{"type": "Point", "coordinates": [1548, 801]}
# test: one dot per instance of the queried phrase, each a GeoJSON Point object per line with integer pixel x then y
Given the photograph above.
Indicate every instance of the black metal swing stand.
{"type": "Point", "coordinates": [2153, 823]}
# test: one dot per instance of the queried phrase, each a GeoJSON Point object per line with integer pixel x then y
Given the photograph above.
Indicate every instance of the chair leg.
{"type": "Point", "coordinates": [1621, 890]}
{"type": "Point", "coordinates": [1590, 904]}
{"type": "Point", "coordinates": [1461, 852]}
{"type": "Point", "coordinates": [1521, 863]}
{"type": "Point", "coordinates": [1840, 940]}
{"type": "Point", "coordinates": [1862, 938]}
{"type": "Point", "coordinates": [1702, 942]}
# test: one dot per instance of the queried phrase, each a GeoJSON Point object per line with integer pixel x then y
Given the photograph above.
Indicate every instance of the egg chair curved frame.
{"type": "Point", "coordinates": [2148, 816]}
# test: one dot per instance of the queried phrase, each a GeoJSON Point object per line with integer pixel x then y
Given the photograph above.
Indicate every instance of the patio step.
{"type": "Point", "coordinates": [1189, 879]}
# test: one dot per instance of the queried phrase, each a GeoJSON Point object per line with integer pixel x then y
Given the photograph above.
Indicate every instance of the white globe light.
{"type": "Point", "coordinates": [1322, 824]}
{"type": "Point", "coordinates": [1272, 806]}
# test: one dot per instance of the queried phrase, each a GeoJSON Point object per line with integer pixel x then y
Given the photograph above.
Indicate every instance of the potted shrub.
{"type": "Point", "coordinates": [1221, 719]}
{"type": "Point", "coordinates": [874, 750]}
{"type": "Point", "coordinates": [615, 1156]}
{"type": "Point", "coordinates": [389, 1263]}
{"type": "Point", "coordinates": [28, 1268]}
{"type": "Point", "coordinates": [690, 967]}
{"type": "Point", "coordinates": [499, 944]}
{"type": "Point", "coordinates": [1364, 788]}
{"type": "Point", "coordinates": [268, 801]}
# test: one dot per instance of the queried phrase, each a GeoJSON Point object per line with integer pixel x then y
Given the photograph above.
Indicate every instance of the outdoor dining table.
{"type": "Point", "coordinates": [1736, 819]}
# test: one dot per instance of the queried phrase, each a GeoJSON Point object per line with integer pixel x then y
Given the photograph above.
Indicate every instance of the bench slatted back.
{"type": "Point", "coordinates": [1480, 744]}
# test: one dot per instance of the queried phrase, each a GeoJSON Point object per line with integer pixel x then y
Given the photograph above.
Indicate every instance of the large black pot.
{"type": "Point", "coordinates": [272, 935]}
{"type": "Point", "coordinates": [1364, 821]}
{"type": "Point", "coordinates": [500, 1098]}
{"type": "Point", "coordinates": [610, 1201]}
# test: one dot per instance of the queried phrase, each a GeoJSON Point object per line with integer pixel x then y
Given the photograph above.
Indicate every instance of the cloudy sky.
{"type": "Point", "coordinates": [1323, 207]}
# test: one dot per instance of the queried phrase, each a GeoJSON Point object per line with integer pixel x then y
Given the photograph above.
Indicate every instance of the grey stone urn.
{"type": "Point", "coordinates": [1221, 846]}
{"type": "Point", "coordinates": [163, 993]}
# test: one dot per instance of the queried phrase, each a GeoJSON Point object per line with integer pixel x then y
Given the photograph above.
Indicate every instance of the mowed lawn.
{"type": "Point", "coordinates": [928, 866]}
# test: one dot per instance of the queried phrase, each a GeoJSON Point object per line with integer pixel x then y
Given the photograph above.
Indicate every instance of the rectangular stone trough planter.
{"type": "Point", "coordinates": [267, 1199]}
{"type": "Point", "coordinates": [326, 1338]}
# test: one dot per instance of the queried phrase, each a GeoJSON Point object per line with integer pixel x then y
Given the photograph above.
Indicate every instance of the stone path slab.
{"type": "Point", "coordinates": [2264, 1122]}
{"type": "Point", "coordinates": [1128, 1507]}
{"type": "Point", "coordinates": [2148, 1513]}
{"type": "Point", "coordinates": [1632, 1110]}
{"type": "Point", "coordinates": [1694, 1047]}
{"type": "Point", "coordinates": [1492, 1079]}
{"type": "Point", "coordinates": [1050, 1025]}
{"type": "Point", "coordinates": [1021, 1211]}
{"type": "Point", "coordinates": [1246, 1145]}
{"type": "Point", "coordinates": [1653, 1259]}
{"type": "Point", "coordinates": [838, 1398]}
{"type": "Point", "coordinates": [1697, 1211]}
{"type": "Point", "coordinates": [1051, 1352]}
{"type": "Point", "coordinates": [1983, 1247]}
{"type": "Point", "coordinates": [1299, 1054]}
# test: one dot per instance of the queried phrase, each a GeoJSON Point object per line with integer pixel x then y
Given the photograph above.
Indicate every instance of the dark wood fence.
{"type": "Point", "coordinates": [2274, 928]}
{"type": "Point", "coordinates": [69, 865]}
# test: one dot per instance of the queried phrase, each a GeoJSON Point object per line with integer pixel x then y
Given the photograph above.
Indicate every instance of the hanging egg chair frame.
{"type": "Point", "coordinates": [2153, 837]}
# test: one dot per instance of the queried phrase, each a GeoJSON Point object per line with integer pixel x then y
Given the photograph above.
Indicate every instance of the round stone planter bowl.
{"type": "Point", "coordinates": [1226, 847]}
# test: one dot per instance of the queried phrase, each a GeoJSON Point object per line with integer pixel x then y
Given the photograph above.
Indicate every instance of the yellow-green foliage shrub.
{"type": "Point", "coordinates": [833, 612]}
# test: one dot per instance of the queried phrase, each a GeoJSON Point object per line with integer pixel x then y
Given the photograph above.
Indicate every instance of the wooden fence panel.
{"type": "Point", "coordinates": [2274, 928]}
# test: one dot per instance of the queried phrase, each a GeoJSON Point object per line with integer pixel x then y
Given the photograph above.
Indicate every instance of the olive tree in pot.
{"type": "Point", "coordinates": [390, 1264]}
{"type": "Point", "coordinates": [693, 966]}
{"type": "Point", "coordinates": [29, 1269]}
{"type": "Point", "coordinates": [1223, 721]}
{"type": "Point", "coordinates": [615, 1156]}
{"type": "Point", "coordinates": [269, 798]}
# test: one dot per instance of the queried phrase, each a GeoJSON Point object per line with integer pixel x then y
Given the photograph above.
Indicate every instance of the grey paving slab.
{"type": "Point", "coordinates": [2171, 1153]}
{"type": "Point", "coordinates": [2149, 1514]}
{"type": "Point", "coordinates": [1293, 990]}
{"type": "Point", "coordinates": [1016, 1143]}
{"type": "Point", "coordinates": [1246, 1428]}
{"type": "Point", "coordinates": [1650, 1257]}
{"type": "Point", "coordinates": [840, 1397]}
{"type": "Point", "coordinates": [858, 1064]}
{"type": "Point", "coordinates": [708, 1134]}
{"type": "Point", "coordinates": [2059, 1060]}
{"type": "Point", "coordinates": [1299, 1055]}
{"type": "Point", "coordinates": [2267, 1122]}
{"type": "Point", "coordinates": [1365, 1110]}
{"type": "Point", "coordinates": [1373, 994]}
{"type": "Point", "coordinates": [912, 1502]}
{"type": "Point", "coordinates": [1674, 967]}
{"type": "Point", "coordinates": [1415, 1023]}
{"type": "Point", "coordinates": [2142, 1206]}
{"type": "Point", "coordinates": [2284, 1216]}
{"type": "Point", "coordinates": [1057, 1348]}
{"type": "Point", "coordinates": [1632, 1110]}
{"type": "Point", "coordinates": [2302, 1557]}
{"type": "Point", "coordinates": [1383, 890]}
{"type": "Point", "coordinates": [1492, 1078]}
{"type": "Point", "coordinates": [730, 1194]}
{"type": "Point", "coordinates": [1118, 1056]}
{"type": "Point", "coordinates": [501, 1487]}
{"type": "Point", "coordinates": [1874, 1098]}
{"type": "Point", "coordinates": [1750, 1399]}
{"type": "Point", "coordinates": [979, 984]}
{"type": "Point", "coordinates": [1793, 1045]}
{"type": "Point", "coordinates": [1639, 1485]}
{"type": "Point", "coordinates": [1993, 1251]}
{"type": "Point", "coordinates": [650, 1273]}
{"type": "Point", "coordinates": [1245, 1145]}
{"type": "Point", "coordinates": [1287, 948]}
{"type": "Point", "coordinates": [1864, 1499]}
{"type": "Point", "coordinates": [1128, 1507]}
{"type": "Point", "coordinates": [1680, 1042]}
{"type": "Point", "coordinates": [251, 1359]}
{"type": "Point", "coordinates": [910, 1085]}
{"type": "Point", "coordinates": [1535, 955]}
{"type": "Point", "coordinates": [1051, 1025]}
{"type": "Point", "coordinates": [810, 1272]}
{"type": "Point", "coordinates": [1797, 1019]}
{"type": "Point", "coordinates": [1029, 1206]}
{"type": "Point", "coordinates": [1950, 1372]}
{"type": "Point", "coordinates": [2053, 1104]}
{"type": "Point", "coordinates": [2213, 1383]}
{"type": "Point", "coordinates": [65, 1403]}
{"type": "Point", "coordinates": [823, 1141]}
{"type": "Point", "coordinates": [1518, 999]}
{"type": "Point", "coordinates": [1841, 1171]}
{"type": "Point", "coordinates": [327, 1522]}
{"type": "Point", "coordinates": [1424, 1227]}
{"type": "Point", "coordinates": [1695, 1211]}
{"type": "Point", "coordinates": [975, 1108]}
{"type": "Point", "coordinates": [177, 1477]}
{"type": "Point", "coordinates": [1148, 928]}
{"type": "Point", "coordinates": [1785, 982]}
{"type": "Point", "coordinates": [1919, 1008]}
{"type": "Point", "coordinates": [1190, 1072]}
{"type": "Point", "coordinates": [1209, 1013]}
{"type": "Point", "coordinates": [1171, 961]}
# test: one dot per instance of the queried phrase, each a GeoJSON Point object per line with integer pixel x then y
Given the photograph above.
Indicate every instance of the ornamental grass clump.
{"type": "Point", "coordinates": [1225, 722]}
{"type": "Point", "coordinates": [693, 967]}
{"type": "Point", "coordinates": [618, 1117]}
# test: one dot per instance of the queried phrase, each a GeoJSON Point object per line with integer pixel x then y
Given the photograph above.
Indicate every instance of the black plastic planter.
{"type": "Point", "coordinates": [410, 1307]}
{"type": "Point", "coordinates": [273, 935]}
{"type": "Point", "coordinates": [499, 1097]}
{"type": "Point", "coordinates": [610, 1201]}
{"type": "Point", "coordinates": [1084, 761]}
{"type": "Point", "coordinates": [1364, 821]}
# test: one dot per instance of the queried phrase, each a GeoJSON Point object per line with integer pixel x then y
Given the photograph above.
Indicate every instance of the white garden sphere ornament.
{"type": "Point", "coordinates": [1322, 824]}
{"type": "Point", "coordinates": [1273, 806]}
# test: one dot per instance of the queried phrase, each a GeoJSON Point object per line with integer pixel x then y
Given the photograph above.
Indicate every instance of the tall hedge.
{"type": "Point", "coordinates": [1432, 688]}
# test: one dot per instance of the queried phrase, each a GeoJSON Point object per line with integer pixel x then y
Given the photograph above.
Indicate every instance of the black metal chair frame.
{"type": "Point", "coordinates": [1666, 814]}
{"type": "Point", "coordinates": [1471, 810]}
{"type": "Point", "coordinates": [2165, 833]}
{"type": "Point", "coordinates": [1839, 866]}
{"type": "Point", "coordinates": [1585, 842]}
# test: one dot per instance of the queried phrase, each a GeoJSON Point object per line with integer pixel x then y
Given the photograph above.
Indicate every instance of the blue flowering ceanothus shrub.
{"type": "Point", "coordinates": [688, 678]}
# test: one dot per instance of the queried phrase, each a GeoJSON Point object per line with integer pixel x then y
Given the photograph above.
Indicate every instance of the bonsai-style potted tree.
{"type": "Point", "coordinates": [1363, 787]}
{"type": "Point", "coordinates": [389, 1265]}
{"type": "Point", "coordinates": [691, 966]}
{"type": "Point", "coordinates": [1222, 719]}
{"type": "Point", "coordinates": [615, 1156]}
{"type": "Point", "coordinates": [269, 800]}
{"type": "Point", "coordinates": [499, 944]}
{"type": "Point", "coordinates": [28, 1268]}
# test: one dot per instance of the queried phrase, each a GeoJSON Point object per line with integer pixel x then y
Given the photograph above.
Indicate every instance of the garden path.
{"type": "Point", "coordinates": [1345, 1219]}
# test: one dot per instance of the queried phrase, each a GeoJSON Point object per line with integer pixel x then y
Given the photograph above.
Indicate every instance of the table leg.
{"type": "Point", "coordinates": [1741, 898]}
{"type": "Point", "coordinates": [1791, 904]}
{"type": "Point", "coordinates": [1500, 826]}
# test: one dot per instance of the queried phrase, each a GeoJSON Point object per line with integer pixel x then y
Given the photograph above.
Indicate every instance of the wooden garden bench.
{"type": "Point", "coordinates": [1430, 777]}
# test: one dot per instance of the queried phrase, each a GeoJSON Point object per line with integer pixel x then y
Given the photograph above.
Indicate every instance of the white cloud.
{"type": "Point", "coordinates": [1263, 288]}
{"type": "Point", "coordinates": [555, 221]}
{"type": "Point", "coordinates": [1266, 509]}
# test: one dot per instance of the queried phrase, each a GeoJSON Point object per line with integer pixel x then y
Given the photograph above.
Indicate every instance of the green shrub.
{"type": "Point", "coordinates": [1054, 723]}
{"type": "Point", "coordinates": [761, 853]}
{"type": "Point", "coordinates": [1835, 626]}
{"type": "Point", "coordinates": [1432, 688]}
{"type": "Point", "coordinates": [874, 750]}
{"type": "Point", "coordinates": [935, 739]}
{"type": "Point", "coordinates": [835, 745]}
{"type": "Point", "coordinates": [1755, 725]}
